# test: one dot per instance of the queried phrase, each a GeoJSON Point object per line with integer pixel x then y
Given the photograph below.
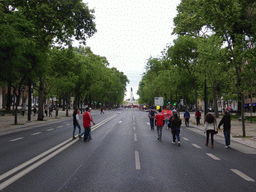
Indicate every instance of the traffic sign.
{"type": "Point", "coordinates": [159, 101]}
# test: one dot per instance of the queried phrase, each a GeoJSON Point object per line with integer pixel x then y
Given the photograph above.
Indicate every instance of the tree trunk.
{"type": "Point", "coordinates": [215, 102]}
{"type": "Point", "coordinates": [29, 102]}
{"type": "Point", "coordinates": [67, 103]}
{"type": "Point", "coordinates": [242, 116]}
{"type": "Point", "coordinates": [9, 98]}
{"type": "Point", "coordinates": [41, 100]}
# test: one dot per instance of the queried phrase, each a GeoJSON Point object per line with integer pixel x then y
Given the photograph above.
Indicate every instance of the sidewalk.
{"type": "Point", "coordinates": [7, 122]}
{"type": "Point", "coordinates": [236, 130]}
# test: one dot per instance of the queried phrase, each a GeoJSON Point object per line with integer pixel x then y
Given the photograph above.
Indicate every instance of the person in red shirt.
{"type": "Point", "coordinates": [87, 119]}
{"type": "Point", "coordinates": [160, 118]}
{"type": "Point", "coordinates": [198, 117]}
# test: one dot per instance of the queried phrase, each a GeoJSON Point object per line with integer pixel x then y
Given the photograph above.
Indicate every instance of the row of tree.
{"type": "Point", "coordinates": [33, 37]}
{"type": "Point", "coordinates": [212, 57]}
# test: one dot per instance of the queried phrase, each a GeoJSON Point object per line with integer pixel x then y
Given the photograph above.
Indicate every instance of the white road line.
{"type": "Point", "coordinates": [213, 156]}
{"type": "Point", "coordinates": [195, 145]}
{"type": "Point", "coordinates": [245, 177]}
{"type": "Point", "coordinates": [135, 137]}
{"type": "Point", "coordinates": [49, 129]}
{"type": "Point", "coordinates": [185, 138]}
{"type": "Point", "coordinates": [134, 128]}
{"type": "Point", "coordinates": [36, 133]}
{"type": "Point", "coordinates": [59, 126]}
{"type": "Point", "coordinates": [68, 124]}
{"type": "Point", "coordinates": [137, 160]}
{"type": "Point", "coordinates": [17, 139]}
{"type": "Point", "coordinates": [32, 167]}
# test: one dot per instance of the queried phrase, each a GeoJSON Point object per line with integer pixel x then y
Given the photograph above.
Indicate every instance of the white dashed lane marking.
{"type": "Point", "coordinates": [36, 133]}
{"type": "Point", "coordinates": [137, 160]}
{"type": "Point", "coordinates": [245, 177]}
{"type": "Point", "coordinates": [213, 156]}
{"type": "Point", "coordinates": [185, 138]}
{"type": "Point", "coordinates": [17, 139]}
{"type": "Point", "coordinates": [195, 145]}
{"type": "Point", "coordinates": [49, 129]}
{"type": "Point", "coordinates": [59, 126]}
{"type": "Point", "coordinates": [135, 137]}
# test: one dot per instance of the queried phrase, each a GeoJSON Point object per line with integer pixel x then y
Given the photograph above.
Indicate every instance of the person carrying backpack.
{"type": "Point", "coordinates": [151, 116]}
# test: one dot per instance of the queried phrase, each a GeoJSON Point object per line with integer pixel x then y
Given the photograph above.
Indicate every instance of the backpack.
{"type": "Point", "coordinates": [152, 113]}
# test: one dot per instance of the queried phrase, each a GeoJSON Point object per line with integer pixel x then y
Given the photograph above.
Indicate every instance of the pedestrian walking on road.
{"type": "Point", "coordinates": [175, 128]}
{"type": "Point", "coordinates": [198, 117]}
{"type": "Point", "coordinates": [57, 111]}
{"type": "Point", "coordinates": [151, 116]}
{"type": "Point", "coordinates": [46, 110]}
{"type": "Point", "coordinates": [76, 123]}
{"type": "Point", "coordinates": [102, 110]}
{"type": "Point", "coordinates": [50, 111]}
{"type": "Point", "coordinates": [34, 110]}
{"type": "Point", "coordinates": [226, 122]}
{"type": "Point", "coordinates": [210, 127]}
{"type": "Point", "coordinates": [87, 119]}
{"type": "Point", "coordinates": [23, 109]}
{"type": "Point", "coordinates": [160, 119]}
{"type": "Point", "coordinates": [186, 117]}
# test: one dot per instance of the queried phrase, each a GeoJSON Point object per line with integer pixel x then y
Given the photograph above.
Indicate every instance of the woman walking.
{"type": "Point", "coordinates": [210, 126]}
{"type": "Point", "coordinates": [175, 128]}
{"type": "Point", "coordinates": [226, 127]}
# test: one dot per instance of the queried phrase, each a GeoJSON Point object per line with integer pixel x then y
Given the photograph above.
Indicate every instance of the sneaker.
{"type": "Point", "coordinates": [80, 137]}
{"type": "Point", "coordinates": [74, 137]}
{"type": "Point", "coordinates": [206, 144]}
{"type": "Point", "coordinates": [173, 143]}
{"type": "Point", "coordinates": [226, 146]}
{"type": "Point", "coordinates": [178, 143]}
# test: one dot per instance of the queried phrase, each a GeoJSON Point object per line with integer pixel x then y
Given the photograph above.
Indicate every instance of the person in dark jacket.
{"type": "Point", "coordinates": [175, 128]}
{"type": "Point", "coordinates": [76, 123]}
{"type": "Point", "coordinates": [226, 122]}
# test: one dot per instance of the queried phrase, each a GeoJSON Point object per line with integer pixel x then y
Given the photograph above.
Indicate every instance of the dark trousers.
{"type": "Point", "coordinates": [208, 132]}
{"type": "Point", "coordinates": [175, 133]}
{"type": "Point", "coordinates": [152, 123]}
{"type": "Point", "coordinates": [197, 121]}
{"type": "Point", "coordinates": [87, 131]}
{"type": "Point", "coordinates": [227, 137]}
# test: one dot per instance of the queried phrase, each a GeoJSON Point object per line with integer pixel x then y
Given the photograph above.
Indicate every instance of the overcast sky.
{"type": "Point", "coordinates": [130, 31]}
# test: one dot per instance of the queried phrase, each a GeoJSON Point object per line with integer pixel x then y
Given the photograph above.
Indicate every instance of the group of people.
{"type": "Point", "coordinates": [159, 118]}
{"type": "Point", "coordinates": [87, 119]}
{"type": "Point", "coordinates": [210, 125]}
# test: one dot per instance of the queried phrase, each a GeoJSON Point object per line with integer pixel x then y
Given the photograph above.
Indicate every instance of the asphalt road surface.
{"type": "Point", "coordinates": [124, 155]}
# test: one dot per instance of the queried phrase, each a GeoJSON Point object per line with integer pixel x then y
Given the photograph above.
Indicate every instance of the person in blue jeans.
{"type": "Point", "coordinates": [76, 123]}
{"type": "Point", "coordinates": [186, 117]}
{"type": "Point", "coordinates": [226, 121]}
{"type": "Point", "coordinates": [151, 116]}
{"type": "Point", "coordinates": [175, 128]}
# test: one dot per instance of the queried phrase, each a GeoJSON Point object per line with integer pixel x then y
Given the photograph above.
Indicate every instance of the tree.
{"type": "Point", "coordinates": [54, 21]}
